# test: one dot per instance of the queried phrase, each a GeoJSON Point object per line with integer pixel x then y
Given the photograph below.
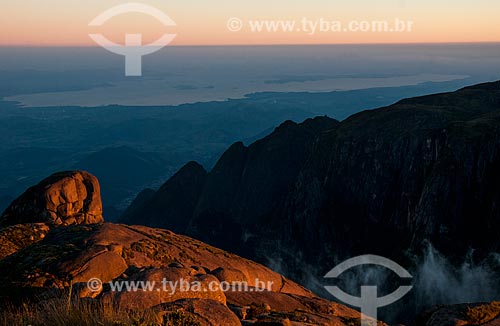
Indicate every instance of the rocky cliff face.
{"type": "Point", "coordinates": [53, 245]}
{"type": "Point", "coordinates": [424, 168]}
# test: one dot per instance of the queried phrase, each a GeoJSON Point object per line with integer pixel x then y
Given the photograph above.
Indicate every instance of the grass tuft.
{"type": "Point", "coordinates": [56, 312]}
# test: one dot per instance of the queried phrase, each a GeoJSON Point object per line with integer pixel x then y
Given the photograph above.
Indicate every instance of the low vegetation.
{"type": "Point", "coordinates": [56, 312]}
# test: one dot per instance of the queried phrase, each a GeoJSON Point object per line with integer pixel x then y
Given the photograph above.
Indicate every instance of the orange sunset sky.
{"type": "Point", "coordinates": [65, 22]}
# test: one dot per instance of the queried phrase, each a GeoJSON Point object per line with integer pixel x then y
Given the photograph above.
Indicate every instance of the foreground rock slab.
{"type": "Point", "coordinates": [70, 256]}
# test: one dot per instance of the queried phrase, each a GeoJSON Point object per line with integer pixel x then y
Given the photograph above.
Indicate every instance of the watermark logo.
{"type": "Point", "coordinates": [178, 286]}
{"type": "Point", "coordinates": [369, 301]}
{"type": "Point", "coordinates": [235, 24]}
{"type": "Point", "coordinates": [94, 284]}
{"type": "Point", "coordinates": [310, 27]}
{"type": "Point", "coordinates": [133, 50]}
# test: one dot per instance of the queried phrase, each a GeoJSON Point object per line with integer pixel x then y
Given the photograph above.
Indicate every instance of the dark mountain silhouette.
{"type": "Point", "coordinates": [183, 189]}
{"type": "Point", "coordinates": [218, 192]}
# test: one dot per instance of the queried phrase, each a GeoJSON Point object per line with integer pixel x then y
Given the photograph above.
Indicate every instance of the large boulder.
{"type": "Point", "coordinates": [64, 198]}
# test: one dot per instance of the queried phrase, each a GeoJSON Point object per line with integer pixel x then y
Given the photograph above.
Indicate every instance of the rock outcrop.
{"type": "Point", "coordinates": [74, 255]}
{"type": "Point", "coordinates": [138, 268]}
{"type": "Point", "coordinates": [106, 251]}
{"type": "Point", "coordinates": [64, 198]}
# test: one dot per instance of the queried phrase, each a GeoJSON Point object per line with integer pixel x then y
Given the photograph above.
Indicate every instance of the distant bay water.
{"type": "Point", "coordinates": [36, 77]}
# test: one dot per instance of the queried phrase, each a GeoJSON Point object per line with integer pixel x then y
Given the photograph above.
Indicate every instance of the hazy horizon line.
{"type": "Point", "coordinates": [252, 45]}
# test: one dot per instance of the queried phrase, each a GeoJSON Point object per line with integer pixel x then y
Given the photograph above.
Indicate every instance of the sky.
{"type": "Point", "coordinates": [211, 22]}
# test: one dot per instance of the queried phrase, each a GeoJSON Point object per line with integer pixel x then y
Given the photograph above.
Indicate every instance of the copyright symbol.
{"type": "Point", "coordinates": [234, 24]}
{"type": "Point", "coordinates": [94, 285]}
